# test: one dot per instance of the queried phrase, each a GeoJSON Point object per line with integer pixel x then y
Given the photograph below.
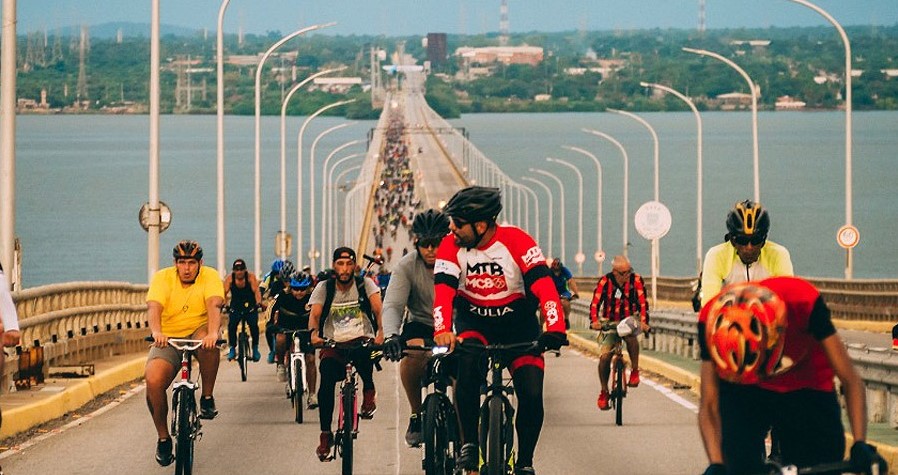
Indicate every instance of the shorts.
{"type": "Point", "coordinates": [413, 330]}
{"type": "Point", "coordinates": [169, 353]}
{"type": "Point", "coordinates": [609, 340]}
{"type": "Point", "coordinates": [293, 322]}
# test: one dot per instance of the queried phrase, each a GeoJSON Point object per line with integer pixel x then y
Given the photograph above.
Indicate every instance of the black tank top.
{"type": "Point", "coordinates": [242, 298]}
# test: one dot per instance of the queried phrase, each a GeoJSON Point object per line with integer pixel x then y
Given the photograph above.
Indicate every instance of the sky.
{"type": "Point", "coordinates": [418, 17]}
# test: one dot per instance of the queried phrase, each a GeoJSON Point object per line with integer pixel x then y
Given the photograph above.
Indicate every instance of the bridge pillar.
{"type": "Point", "coordinates": [877, 404]}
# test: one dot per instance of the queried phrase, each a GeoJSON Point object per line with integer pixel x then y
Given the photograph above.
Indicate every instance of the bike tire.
{"type": "Point", "coordinates": [347, 399]}
{"type": "Point", "coordinates": [619, 392]}
{"type": "Point", "coordinates": [298, 390]}
{"type": "Point", "coordinates": [184, 442]}
{"type": "Point", "coordinates": [437, 433]}
{"type": "Point", "coordinates": [241, 356]}
{"type": "Point", "coordinates": [495, 454]}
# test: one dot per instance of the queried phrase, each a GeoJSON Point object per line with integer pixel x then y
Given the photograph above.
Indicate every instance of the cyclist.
{"type": "Point", "coordinates": [487, 274]}
{"type": "Point", "coordinates": [769, 353]}
{"type": "Point", "coordinates": [345, 308]}
{"type": "Point", "coordinates": [619, 297]}
{"type": "Point", "coordinates": [290, 312]}
{"type": "Point", "coordinates": [273, 285]}
{"type": "Point", "coordinates": [745, 254]}
{"type": "Point", "coordinates": [411, 288]}
{"type": "Point", "coordinates": [566, 287]}
{"type": "Point", "coordinates": [184, 301]}
{"type": "Point", "coordinates": [245, 300]}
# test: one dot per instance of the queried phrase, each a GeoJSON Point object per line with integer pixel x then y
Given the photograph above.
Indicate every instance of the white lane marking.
{"type": "Point", "coordinates": [77, 422]}
{"type": "Point", "coordinates": [672, 395]}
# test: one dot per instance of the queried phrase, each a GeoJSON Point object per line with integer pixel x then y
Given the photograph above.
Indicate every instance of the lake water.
{"type": "Point", "coordinates": [82, 179]}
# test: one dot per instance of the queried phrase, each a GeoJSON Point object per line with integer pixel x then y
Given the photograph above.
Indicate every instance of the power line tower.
{"type": "Point", "coordinates": [701, 16]}
{"type": "Point", "coordinates": [83, 48]}
{"type": "Point", "coordinates": [503, 23]}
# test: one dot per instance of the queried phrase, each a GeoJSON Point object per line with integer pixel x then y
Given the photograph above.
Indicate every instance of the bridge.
{"type": "Point", "coordinates": [95, 329]}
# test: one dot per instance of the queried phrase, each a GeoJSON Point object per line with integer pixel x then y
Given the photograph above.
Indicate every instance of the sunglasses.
{"type": "Point", "coordinates": [626, 272]}
{"type": "Point", "coordinates": [431, 242]}
{"type": "Point", "coordinates": [742, 240]}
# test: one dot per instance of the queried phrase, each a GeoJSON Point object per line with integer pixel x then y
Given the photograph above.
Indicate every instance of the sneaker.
{"type": "Point", "coordinates": [312, 401]}
{"type": "Point", "coordinates": [164, 456]}
{"type": "Point", "coordinates": [413, 436]}
{"type": "Point", "coordinates": [524, 471]}
{"type": "Point", "coordinates": [895, 344]}
{"type": "Point", "coordinates": [256, 355]}
{"type": "Point", "coordinates": [282, 373]}
{"type": "Point", "coordinates": [369, 404]}
{"type": "Point", "coordinates": [603, 401]}
{"type": "Point", "coordinates": [469, 457]}
{"type": "Point", "coordinates": [634, 378]}
{"type": "Point", "coordinates": [232, 353]}
{"type": "Point", "coordinates": [207, 408]}
{"type": "Point", "coordinates": [324, 446]}
{"type": "Point", "coordinates": [271, 357]}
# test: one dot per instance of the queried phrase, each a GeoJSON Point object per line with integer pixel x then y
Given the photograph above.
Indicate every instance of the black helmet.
{"type": "Point", "coordinates": [287, 270]}
{"type": "Point", "coordinates": [748, 218]}
{"type": "Point", "coordinates": [187, 249]}
{"type": "Point", "coordinates": [430, 224]}
{"type": "Point", "coordinates": [475, 203]}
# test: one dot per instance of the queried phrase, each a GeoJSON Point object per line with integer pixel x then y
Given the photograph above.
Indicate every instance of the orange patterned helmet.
{"type": "Point", "coordinates": [745, 332]}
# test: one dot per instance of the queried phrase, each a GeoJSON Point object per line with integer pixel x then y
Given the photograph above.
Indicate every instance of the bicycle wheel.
{"type": "Point", "coordinates": [347, 399]}
{"type": "Point", "coordinates": [495, 444]}
{"type": "Point", "coordinates": [186, 415]}
{"type": "Point", "coordinates": [618, 394]}
{"type": "Point", "coordinates": [241, 355]}
{"type": "Point", "coordinates": [298, 390]}
{"type": "Point", "coordinates": [438, 440]}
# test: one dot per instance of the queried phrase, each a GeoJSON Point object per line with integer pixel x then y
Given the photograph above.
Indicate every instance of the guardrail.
{"type": "Point", "coordinates": [78, 322]}
{"type": "Point", "coordinates": [675, 332]}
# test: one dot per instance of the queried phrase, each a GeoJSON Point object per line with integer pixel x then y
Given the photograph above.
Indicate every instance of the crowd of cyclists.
{"type": "Point", "coordinates": [395, 200]}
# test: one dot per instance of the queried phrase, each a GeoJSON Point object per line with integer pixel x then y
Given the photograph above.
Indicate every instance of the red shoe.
{"type": "Point", "coordinates": [603, 401]}
{"type": "Point", "coordinates": [895, 344]}
{"type": "Point", "coordinates": [324, 447]}
{"type": "Point", "coordinates": [369, 404]}
{"type": "Point", "coordinates": [634, 378]}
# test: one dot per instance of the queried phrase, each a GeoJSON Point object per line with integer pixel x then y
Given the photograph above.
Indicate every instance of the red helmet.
{"type": "Point", "coordinates": [745, 332]}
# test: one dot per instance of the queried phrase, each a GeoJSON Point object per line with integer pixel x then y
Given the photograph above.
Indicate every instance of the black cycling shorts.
{"type": "Point", "coordinates": [412, 330]}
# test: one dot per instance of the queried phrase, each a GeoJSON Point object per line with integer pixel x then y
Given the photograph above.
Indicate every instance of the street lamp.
{"type": "Point", "coordinates": [284, 103]}
{"type": "Point", "coordinates": [598, 200]}
{"type": "Point", "coordinates": [849, 261]}
{"type": "Point", "coordinates": [299, 188]}
{"type": "Point", "coordinates": [561, 208]}
{"type": "Point", "coordinates": [551, 217]}
{"type": "Point", "coordinates": [220, 208]}
{"type": "Point", "coordinates": [312, 188]}
{"type": "Point", "coordinates": [535, 209]}
{"type": "Point", "coordinates": [153, 231]}
{"type": "Point", "coordinates": [754, 111]}
{"type": "Point", "coordinates": [331, 197]}
{"type": "Point", "coordinates": [623, 152]}
{"type": "Point", "coordinates": [326, 201]}
{"type": "Point", "coordinates": [698, 199]}
{"type": "Point", "coordinates": [258, 148]}
{"type": "Point", "coordinates": [580, 257]}
{"type": "Point", "coordinates": [654, 140]}
{"type": "Point", "coordinates": [347, 222]}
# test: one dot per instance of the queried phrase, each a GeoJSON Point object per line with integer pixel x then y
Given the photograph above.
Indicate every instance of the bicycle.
{"type": "Point", "coordinates": [439, 420]}
{"type": "Point", "coordinates": [295, 364]}
{"type": "Point", "coordinates": [496, 435]}
{"type": "Point", "coordinates": [185, 424]}
{"type": "Point", "coordinates": [348, 419]}
{"type": "Point", "coordinates": [243, 348]}
{"type": "Point", "coordinates": [618, 376]}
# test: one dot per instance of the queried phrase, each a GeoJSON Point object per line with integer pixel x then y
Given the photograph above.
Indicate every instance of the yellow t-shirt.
{"type": "Point", "coordinates": [184, 309]}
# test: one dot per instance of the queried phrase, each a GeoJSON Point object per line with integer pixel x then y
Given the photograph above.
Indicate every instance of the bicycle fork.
{"type": "Point", "coordinates": [179, 389]}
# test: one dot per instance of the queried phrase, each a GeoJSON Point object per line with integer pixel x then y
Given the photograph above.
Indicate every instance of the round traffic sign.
{"type": "Point", "coordinates": [848, 236]}
{"type": "Point", "coordinates": [164, 217]}
{"type": "Point", "coordinates": [652, 220]}
{"type": "Point", "coordinates": [599, 256]}
{"type": "Point", "coordinates": [580, 258]}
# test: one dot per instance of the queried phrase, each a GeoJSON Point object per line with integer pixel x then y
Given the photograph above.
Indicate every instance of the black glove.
{"type": "Point", "coordinates": [863, 455]}
{"type": "Point", "coordinates": [393, 348]}
{"type": "Point", "coordinates": [716, 469]}
{"type": "Point", "coordinates": [552, 340]}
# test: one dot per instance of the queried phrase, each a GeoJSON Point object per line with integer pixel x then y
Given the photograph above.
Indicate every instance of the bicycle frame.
{"type": "Point", "coordinates": [438, 418]}
{"type": "Point", "coordinates": [618, 383]}
{"type": "Point", "coordinates": [297, 383]}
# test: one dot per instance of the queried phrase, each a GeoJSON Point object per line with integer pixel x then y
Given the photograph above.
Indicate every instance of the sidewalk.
{"type": "Point", "coordinates": [684, 371]}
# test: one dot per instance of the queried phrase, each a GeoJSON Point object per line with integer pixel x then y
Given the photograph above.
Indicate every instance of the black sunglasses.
{"type": "Point", "coordinates": [429, 242]}
{"type": "Point", "coordinates": [743, 240]}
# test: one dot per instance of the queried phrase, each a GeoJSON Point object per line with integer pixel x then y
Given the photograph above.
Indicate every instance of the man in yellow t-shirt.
{"type": "Point", "coordinates": [184, 301]}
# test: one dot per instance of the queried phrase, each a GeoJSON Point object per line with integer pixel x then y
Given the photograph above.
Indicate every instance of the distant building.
{"type": "Point", "coordinates": [752, 43]}
{"type": "Point", "coordinates": [734, 100]}
{"type": "Point", "coordinates": [789, 103]}
{"type": "Point", "coordinates": [437, 52]}
{"type": "Point", "coordinates": [335, 85]}
{"type": "Point", "coordinates": [532, 55]}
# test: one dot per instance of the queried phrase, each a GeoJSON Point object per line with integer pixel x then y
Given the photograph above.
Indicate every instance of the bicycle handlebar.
{"type": "Point", "coordinates": [184, 343]}
{"type": "Point", "coordinates": [526, 346]}
{"type": "Point", "coordinates": [774, 468]}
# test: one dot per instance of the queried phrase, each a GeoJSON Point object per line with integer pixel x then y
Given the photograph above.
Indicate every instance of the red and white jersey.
{"type": "Point", "coordinates": [493, 280]}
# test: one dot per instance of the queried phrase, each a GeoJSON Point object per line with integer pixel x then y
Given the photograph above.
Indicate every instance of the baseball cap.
{"type": "Point", "coordinates": [344, 253]}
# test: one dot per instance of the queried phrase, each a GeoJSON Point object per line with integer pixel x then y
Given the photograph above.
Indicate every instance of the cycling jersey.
{"type": "Point", "coordinates": [490, 284]}
{"type": "Point", "coordinates": [184, 308]}
{"type": "Point", "coordinates": [722, 266]}
{"type": "Point", "coordinates": [292, 313]}
{"type": "Point", "coordinates": [561, 281]}
{"type": "Point", "coordinates": [619, 302]}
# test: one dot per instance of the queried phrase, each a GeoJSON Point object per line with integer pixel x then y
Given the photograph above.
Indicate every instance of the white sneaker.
{"type": "Point", "coordinates": [312, 401]}
{"type": "Point", "coordinates": [282, 373]}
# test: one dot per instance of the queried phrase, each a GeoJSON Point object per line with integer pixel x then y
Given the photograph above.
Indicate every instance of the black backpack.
{"type": "Point", "coordinates": [330, 286]}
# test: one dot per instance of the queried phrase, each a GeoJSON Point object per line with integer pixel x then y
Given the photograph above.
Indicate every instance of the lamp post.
{"type": "Point", "coordinates": [284, 103]}
{"type": "Point", "coordinates": [698, 198]}
{"type": "Point", "coordinates": [258, 148]}
{"type": "Point", "coordinates": [220, 208]}
{"type": "Point", "coordinates": [299, 188]}
{"type": "Point", "coordinates": [312, 193]}
{"type": "Point", "coordinates": [598, 199]}
{"type": "Point", "coordinates": [580, 257]}
{"type": "Point", "coordinates": [346, 207]}
{"type": "Point", "coordinates": [325, 195]}
{"type": "Point", "coordinates": [154, 229]}
{"type": "Point", "coordinates": [623, 152]}
{"type": "Point", "coordinates": [849, 261]}
{"type": "Point", "coordinates": [551, 217]}
{"type": "Point", "coordinates": [754, 111]}
{"type": "Point", "coordinates": [532, 193]}
{"type": "Point", "coordinates": [561, 207]}
{"type": "Point", "coordinates": [331, 214]}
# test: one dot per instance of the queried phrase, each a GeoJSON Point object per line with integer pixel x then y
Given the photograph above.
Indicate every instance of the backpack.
{"type": "Point", "coordinates": [330, 286]}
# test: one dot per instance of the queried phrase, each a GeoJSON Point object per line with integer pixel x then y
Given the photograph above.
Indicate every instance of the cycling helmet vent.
{"type": "Point", "coordinates": [748, 218]}
{"type": "Point", "coordinates": [475, 203]}
{"type": "Point", "coordinates": [430, 224]}
{"type": "Point", "coordinates": [187, 249]}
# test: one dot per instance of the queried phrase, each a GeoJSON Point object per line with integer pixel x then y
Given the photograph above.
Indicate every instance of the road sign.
{"type": "Point", "coordinates": [652, 220]}
{"type": "Point", "coordinates": [143, 217]}
{"type": "Point", "coordinates": [580, 258]}
{"type": "Point", "coordinates": [283, 244]}
{"type": "Point", "coordinates": [599, 256]}
{"type": "Point", "coordinates": [848, 236]}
